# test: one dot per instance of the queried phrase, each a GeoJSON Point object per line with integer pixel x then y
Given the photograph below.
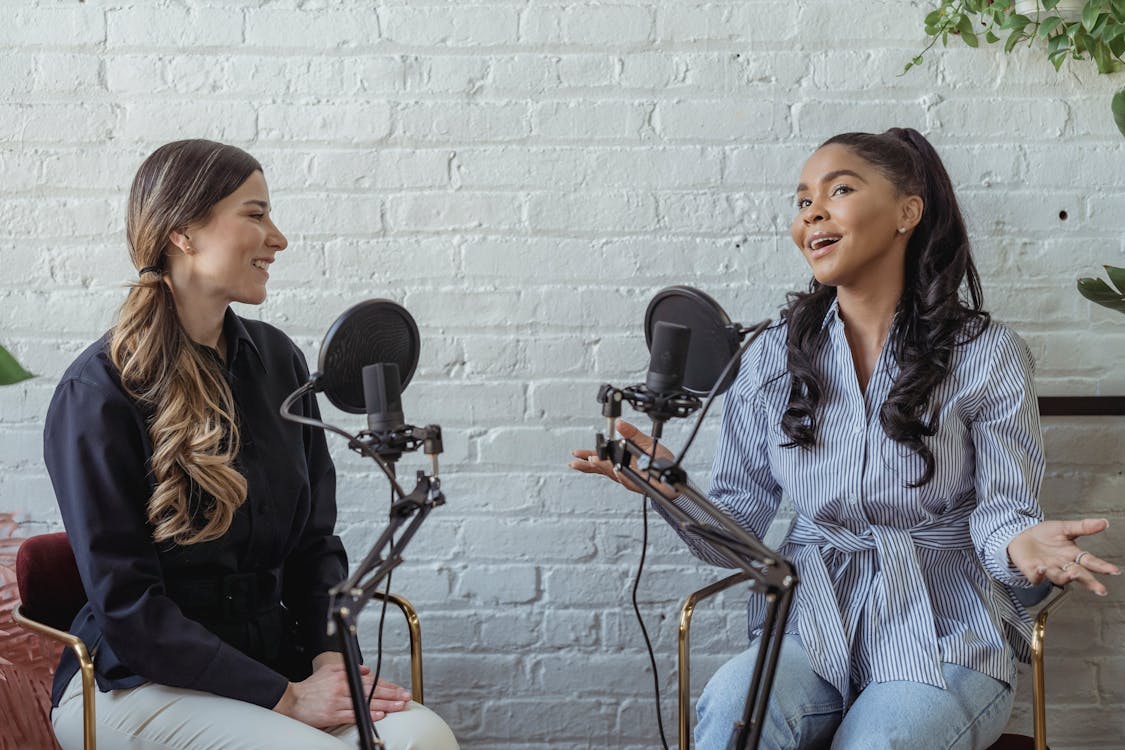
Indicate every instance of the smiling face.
{"type": "Point", "coordinates": [227, 258]}
{"type": "Point", "coordinates": [848, 220]}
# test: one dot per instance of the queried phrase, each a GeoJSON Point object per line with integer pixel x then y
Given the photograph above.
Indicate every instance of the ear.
{"type": "Point", "coordinates": [180, 240]}
{"type": "Point", "coordinates": [910, 211]}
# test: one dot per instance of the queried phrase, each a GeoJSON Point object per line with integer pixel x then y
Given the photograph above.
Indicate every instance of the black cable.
{"type": "Point", "coordinates": [353, 442]}
{"type": "Point", "coordinates": [641, 620]}
{"type": "Point", "coordinates": [379, 642]}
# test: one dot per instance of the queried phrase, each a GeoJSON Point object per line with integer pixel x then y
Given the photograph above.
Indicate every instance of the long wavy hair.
{"type": "Point", "coordinates": [181, 388]}
{"type": "Point", "coordinates": [940, 308]}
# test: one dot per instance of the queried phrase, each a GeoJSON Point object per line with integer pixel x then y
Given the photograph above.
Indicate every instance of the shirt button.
{"type": "Point", "coordinates": [853, 499]}
{"type": "Point", "coordinates": [857, 429]}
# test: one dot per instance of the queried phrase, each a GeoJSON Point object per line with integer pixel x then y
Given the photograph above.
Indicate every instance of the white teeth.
{"type": "Point", "coordinates": [820, 242]}
{"type": "Point", "coordinates": [260, 264]}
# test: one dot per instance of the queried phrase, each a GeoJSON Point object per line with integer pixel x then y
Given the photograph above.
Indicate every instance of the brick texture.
{"type": "Point", "coordinates": [524, 176]}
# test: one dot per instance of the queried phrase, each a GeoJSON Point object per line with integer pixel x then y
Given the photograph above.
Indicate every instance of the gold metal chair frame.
{"type": "Point", "coordinates": [1039, 634]}
{"type": "Point", "coordinates": [86, 663]}
{"type": "Point", "coordinates": [415, 627]}
{"type": "Point", "coordinates": [85, 666]}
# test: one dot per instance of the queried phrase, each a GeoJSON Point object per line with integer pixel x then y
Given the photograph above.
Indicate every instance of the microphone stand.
{"type": "Point", "coordinates": [349, 597]}
{"type": "Point", "coordinates": [771, 575]}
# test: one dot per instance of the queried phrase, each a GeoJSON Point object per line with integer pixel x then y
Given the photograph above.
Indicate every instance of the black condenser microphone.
{"type": "Point", "coordinates": [382, 395]}
{"type": "Point", "coordinates": [668, 359]}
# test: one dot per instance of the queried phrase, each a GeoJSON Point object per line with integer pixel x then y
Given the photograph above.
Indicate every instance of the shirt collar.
{"type": "Point", "coordinates": [238, 338]}
{"type": "Point", "coordinates": [833, 313]}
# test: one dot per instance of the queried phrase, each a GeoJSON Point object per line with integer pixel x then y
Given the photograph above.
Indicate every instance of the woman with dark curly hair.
{"type": "Point", "coordinates": [201, 521]}
{"type": "Point", "coordinates": [902, 423]}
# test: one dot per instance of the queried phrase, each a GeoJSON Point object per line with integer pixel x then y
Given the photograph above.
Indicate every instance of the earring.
{"type": "Point", "coordinates": [902, 230]}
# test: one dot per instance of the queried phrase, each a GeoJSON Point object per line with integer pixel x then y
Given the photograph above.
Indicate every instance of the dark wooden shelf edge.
{"type": "Point", "coordinates": [1082, 406]}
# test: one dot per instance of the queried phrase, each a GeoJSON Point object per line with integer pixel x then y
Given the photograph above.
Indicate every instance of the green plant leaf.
{"type": "Point", "coordinates": [1090, 15]}
{"type": "Point", "coordinates": [1048, 25]}
{"type": "Point", "coordinates": [1118, 107]}
{"type": "Point", "coordinates": [1117, 276]}
{"type": "Point", "coordinates": [1098, 292]}
{"type": "Point", "coordinates": [10, 370]}
{"type": "Point", "coordinates": [1017, 22]}
{"type": "Point", "coordinates": [991, 38]}
{"type": "Point", "coordinates": [1048, 4]}
{"type": "Point", "coordinates": [1013, 40]}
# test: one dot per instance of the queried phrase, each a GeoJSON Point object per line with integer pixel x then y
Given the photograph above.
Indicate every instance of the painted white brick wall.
{"type": "Point", "coordinates": [523, 175]}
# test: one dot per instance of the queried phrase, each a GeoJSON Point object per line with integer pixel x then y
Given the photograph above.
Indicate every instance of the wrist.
{"type": "Point", "coordinates": [288, 701]}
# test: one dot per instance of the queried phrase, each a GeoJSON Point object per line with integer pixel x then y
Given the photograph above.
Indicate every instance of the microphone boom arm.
{"type": "Point", "coordinates": [771, 574]}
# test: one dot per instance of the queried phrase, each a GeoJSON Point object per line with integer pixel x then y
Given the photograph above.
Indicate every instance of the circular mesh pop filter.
{"type": "Point", "coordinates": [714, 340]}
{"type": "Point", "coordinates": [376, 330]}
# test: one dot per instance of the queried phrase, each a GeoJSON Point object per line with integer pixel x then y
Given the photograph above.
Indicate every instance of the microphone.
{"type": "Point", "coordinates": [668, 357]}
{"type": "Point", "coordinates": [382, 395]}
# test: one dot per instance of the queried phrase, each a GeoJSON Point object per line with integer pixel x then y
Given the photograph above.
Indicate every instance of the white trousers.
{"type": "Point", "coordinates": [155, 717]}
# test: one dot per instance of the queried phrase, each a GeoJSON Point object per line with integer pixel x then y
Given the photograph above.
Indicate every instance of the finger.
{"type": "Point", "coordinates": [1086, 579]}
{"type": "Point", "coordinates": [388, 706]}
{"type": "Point", "coordinates": [583, 453]}
{"type": "Point", "coordinates": [1085, 527]}
{"type": "Point", "coordinates": [1096, 564]}
{"type": "Point", "coordinates": [630, 431]}
{"type": "Point", "coordinates": [1057, 575]}
{"type": "Point", "coordinates": [376, 716]}
{"type": "Point", "coordinates": [401, 692]}
{"type": "Point", "coordinates": [391, 693]}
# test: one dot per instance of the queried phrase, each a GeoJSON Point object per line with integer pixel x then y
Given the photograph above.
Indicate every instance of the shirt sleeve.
{"type": "Point", "coordinates": [742, 482]}
{"type": "Point", "coordinates": [95, 452]}
{"type": "Point", "coordinates": [318, 562]}
{"type": "Point", "coordinates": [1008, 446]}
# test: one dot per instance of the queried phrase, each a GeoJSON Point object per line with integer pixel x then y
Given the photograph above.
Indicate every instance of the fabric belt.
{"type": "Point", "coordinates": [236, 596]}
{"type": "Point", "coordinates": [901, 601]}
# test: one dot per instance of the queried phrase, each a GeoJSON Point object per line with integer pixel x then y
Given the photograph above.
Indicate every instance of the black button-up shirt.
{"type": "Point", "coordinates": [239, 616]}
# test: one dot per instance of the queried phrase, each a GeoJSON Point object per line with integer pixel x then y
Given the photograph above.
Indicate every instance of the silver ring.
{"type": "Point", "coordinates": [1079, 556]}
{"type": "Point", "coordinates": [1067, 567]}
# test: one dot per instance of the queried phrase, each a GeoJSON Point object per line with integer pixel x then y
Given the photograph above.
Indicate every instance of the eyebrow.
{"type": "Point", "coordinates": [254, 202]}
{"type": "Point", "coordinates": [833, 175]}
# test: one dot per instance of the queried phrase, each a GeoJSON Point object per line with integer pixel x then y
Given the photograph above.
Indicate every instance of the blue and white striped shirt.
{"type": "Point", "coordinates": [894, 580]}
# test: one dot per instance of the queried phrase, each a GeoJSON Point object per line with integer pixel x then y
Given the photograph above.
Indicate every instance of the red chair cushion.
{"type": "Point", "coordinates": [50, 590]}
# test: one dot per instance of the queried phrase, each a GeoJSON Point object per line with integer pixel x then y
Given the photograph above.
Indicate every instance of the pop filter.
{"type": "Point", "coordinates": [374, 331]}
{"type": "Point", "coordinates": [714, 339]}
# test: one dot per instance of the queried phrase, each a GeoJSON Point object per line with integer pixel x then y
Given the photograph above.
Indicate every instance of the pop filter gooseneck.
{"type": "Point", "coordinates": [375, 331]}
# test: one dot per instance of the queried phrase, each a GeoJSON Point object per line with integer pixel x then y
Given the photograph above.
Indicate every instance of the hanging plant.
{"type": "Point", "coordinates": [1071, 29]}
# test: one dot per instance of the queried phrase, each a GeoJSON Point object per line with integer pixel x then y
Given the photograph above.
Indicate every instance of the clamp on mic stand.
{"type": "Point", "coordinates": [771, 575]}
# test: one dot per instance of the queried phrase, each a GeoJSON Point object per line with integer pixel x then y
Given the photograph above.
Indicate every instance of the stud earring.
{"type": "Point", "coordinates": [902, 230]}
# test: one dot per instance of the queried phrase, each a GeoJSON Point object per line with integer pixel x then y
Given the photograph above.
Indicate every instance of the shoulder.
{"type": "Point", "coordinates": [94, 368]}
{"type": "Point", "coordinates": [90, 390]}
{"type": "Point", "coordinates": [764, 360]}
{"type": "Point", "coordinates": [277, 350]}
{"type": "Point", "coordinates": [997, 346]}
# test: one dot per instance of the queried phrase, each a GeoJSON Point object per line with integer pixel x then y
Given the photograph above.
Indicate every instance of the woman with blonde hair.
{"type": "Point", "coordinates": [202, 523]}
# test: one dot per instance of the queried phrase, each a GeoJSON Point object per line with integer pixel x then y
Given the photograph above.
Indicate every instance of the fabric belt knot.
{"type": "Point", "coordinates": [895, 595]}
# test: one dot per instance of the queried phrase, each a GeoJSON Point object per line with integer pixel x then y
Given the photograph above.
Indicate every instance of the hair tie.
{"type": "Point", "coordinates": [150, 269]}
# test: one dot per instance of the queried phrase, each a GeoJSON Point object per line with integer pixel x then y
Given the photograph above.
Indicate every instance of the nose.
{"type": "Point", "coordinates": [276, 239]}
{"type": "Point", "coordinates": [813, 213]}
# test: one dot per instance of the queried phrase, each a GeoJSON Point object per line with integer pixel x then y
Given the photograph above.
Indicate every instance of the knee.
{"type": "Point", "coordinates": [417, 728]}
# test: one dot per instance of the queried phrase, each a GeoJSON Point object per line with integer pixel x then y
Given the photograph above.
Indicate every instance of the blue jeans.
{"type": "Point", "coordinates": [806, 712]}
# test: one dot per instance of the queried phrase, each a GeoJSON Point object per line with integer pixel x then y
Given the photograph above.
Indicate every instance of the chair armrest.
{"type": "Point", "coordinates": [415, 627]}
{"type": "Point", "coordinates": [1039, 686]}
{"type": "Point", "coordinates": [85, 666]}
{"type": "Point", "coordinates": [686, 612]}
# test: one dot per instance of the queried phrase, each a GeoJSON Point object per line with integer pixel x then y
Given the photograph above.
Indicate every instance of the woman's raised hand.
{"type": "Point", "coordinates": [1049, 550]}
{"type": "Point", "coordinates": [323, 700]}
{"type": "Point", "coordinates": [587, 461]}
